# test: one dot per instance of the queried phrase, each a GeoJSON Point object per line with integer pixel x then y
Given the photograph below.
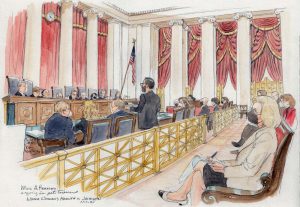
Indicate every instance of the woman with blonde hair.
{"type": "Point", "coordinates": [253, 159]}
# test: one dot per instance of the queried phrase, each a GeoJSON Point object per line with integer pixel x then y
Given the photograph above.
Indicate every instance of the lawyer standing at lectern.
{"type": "Point", "coordinates": [148, 106]}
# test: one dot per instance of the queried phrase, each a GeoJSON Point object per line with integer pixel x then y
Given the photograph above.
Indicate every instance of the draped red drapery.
{"type": "Point", "coordinates": [266, 49]}
{"type": "Point", "coordinates": [50, 46]}
{"type": "Point", "coordinates": [15, 45]}
{"type": "Point", "coordinates": [102, 53]}
{"type": "Point", "coordinates": [79, 48]}
{"type": "Point", "coordinates": [226, 52]}
{"type": "Point", "coordinates": [194, 55]}
{"type": "Point", "coordinates": [164, 56]}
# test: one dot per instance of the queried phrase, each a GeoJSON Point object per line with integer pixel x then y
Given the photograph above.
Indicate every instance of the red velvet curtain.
{"type": "Point", "coordinates": [79, 48]}
{"type": "Point", "coordinates": [15, 45]}
{"type": "Point", "coordinates": [50, 46]}
{"type": "Point", "coordinates": [164, 56]}
{"type": "Point", "coordinates": [226, 52]}
{"type": "Point", "coordinates": [266, 49]}
{"type": "Point", "coordinates": [102, 53]}
{"type": "Point", "coordinates": [194, 55]}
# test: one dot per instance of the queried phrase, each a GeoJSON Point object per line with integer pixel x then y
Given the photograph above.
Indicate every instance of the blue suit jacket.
{"type": "Point", "coordinates": [59, 127]}
{"type": "Point", "coordinates": [113, 117]}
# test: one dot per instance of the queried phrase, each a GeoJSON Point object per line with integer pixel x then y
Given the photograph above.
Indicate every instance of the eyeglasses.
{"type": "Point", "coordinates": [141, 84]}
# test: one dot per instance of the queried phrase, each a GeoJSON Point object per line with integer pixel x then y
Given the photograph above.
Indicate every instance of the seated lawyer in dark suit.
{"type": "Point", "coordinates": [60, 125]}
{"type": "Point", "coordinates": [117, 108]}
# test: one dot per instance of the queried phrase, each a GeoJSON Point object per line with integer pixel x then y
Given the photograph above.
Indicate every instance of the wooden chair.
{"type": "Point", "coordinates": [12, 85]}
{"type": "Point", "coordinates": [98, 130]}
{"type": "Point", "coordinates": [270, 181]}
{"type": "Point", "coordinates": [178, 115]}
{"type": "Point", "coordinates": [124, 125]}
{"type": "Point", "coordinates": [243, 110]}
{"type": "Point", "coordinates": [49, 146]}
{"type": "Point", "coordinates": [56, 92]}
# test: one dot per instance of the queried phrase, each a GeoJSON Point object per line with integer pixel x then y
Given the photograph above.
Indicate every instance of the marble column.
{"type": "Point", "coordinates": [154, 53]}
{"type": "Point", "coordinates": [243, 59]}
{"type": "Point", "coordinates": [114, 52]}
{"type": "Point", "coordinates": [125, 58]}
{"type": "Point", "coordinates": [92, 48]}
{"type": "Point", "coordinates": [176, 81]}
{"type": "Point", "coordinates": [138, 58]}
{"type": "Point", "coordinates": [65, 52]}
{"type": "Point", "coordinates": [208, 58]}
{"type": "Point", "coordinates": [33, 43]}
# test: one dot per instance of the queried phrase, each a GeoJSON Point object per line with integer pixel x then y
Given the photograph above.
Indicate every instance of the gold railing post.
{"type": "Point", "coordinates": [214, 124]}
{"type": "Point", "coordinates": [62, 155]}
{"type": "Point", "coordinates": [177, 139]}
{"type": "Point", "coordinates": [156, 149]}
{"type": "Point", "coordinates": [204, 128]}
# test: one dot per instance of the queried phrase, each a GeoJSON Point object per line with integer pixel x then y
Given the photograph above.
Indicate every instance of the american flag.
{"type": "Point", "coordinates": [132, 63]}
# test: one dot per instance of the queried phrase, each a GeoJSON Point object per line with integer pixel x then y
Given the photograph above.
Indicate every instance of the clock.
{"type": "Point", "coordinates": [50, 16]}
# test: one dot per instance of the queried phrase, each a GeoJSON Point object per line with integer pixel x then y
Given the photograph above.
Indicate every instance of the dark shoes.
{"type": "Point", "coordinates": [236, 144]}
{"type": "Point", "coordinates": [163, 194]}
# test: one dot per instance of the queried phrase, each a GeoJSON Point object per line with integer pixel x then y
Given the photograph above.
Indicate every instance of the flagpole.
{"type": "Point", "coordinates": [133, 41]}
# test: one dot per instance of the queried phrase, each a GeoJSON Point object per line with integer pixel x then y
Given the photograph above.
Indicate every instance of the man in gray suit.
{"type": "Point", "coordinates": [148, 106]}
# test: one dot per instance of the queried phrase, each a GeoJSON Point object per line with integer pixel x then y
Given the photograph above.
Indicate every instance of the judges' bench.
{"type": "Point", "coordinates": [33, 111]}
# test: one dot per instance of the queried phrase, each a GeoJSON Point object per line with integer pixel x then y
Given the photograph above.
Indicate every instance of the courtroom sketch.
{"type": "Point", "coordinates": [137, 103]}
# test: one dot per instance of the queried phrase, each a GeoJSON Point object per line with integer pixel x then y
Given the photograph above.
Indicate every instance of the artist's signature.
{"type": "Point", "coordinates": [47, 193]}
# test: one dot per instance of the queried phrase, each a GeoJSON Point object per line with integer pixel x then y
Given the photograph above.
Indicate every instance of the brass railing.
{"type": "Point", "coordinates": [224, 118]}
{"type": "Point", "coordinates": [109, 166]}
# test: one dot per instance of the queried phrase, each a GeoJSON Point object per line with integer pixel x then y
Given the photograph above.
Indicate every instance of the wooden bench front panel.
{"type": "Point", "coordinates": [26, 114]}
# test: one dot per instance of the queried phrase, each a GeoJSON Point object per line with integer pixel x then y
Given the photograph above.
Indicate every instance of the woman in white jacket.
{"type": "Point", "coordinates": [254, 158]}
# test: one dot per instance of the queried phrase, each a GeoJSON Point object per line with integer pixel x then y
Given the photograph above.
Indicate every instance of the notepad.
{"type": "Point", "coordinates": [36, 134]}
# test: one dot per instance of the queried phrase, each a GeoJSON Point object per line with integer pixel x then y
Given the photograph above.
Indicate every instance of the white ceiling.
{"type": "Point", "coordinates": [132, 6]}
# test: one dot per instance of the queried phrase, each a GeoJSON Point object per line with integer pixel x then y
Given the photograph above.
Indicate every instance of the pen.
{"type": "Point", "coordinates": [214, 155]}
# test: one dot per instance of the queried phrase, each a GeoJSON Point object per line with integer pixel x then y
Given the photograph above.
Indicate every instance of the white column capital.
{"type": "Point", "coordinates": [247, 15]}
{"type": "Point", "coordinates": [278, 11]}
{"type": "Point", "coordinates": [154, 26]}
{"type": "Point", "coordinates": [210, 19]}
{"type": "Point", "coordinates": [174, 22]}
{"type": "Point", "coordinates": [93, 12]}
